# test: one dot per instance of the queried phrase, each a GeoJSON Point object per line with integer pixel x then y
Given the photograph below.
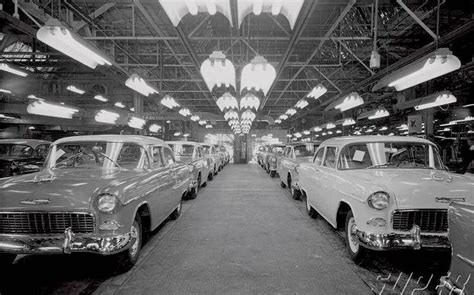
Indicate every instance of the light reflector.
{"type": "Point", "coordinates": [177, 9]}
{"type": "Point", "coordinates": [249, 101]}
{"type": "Point", "coordinates": [137, 83]}
{"type": "Point", "coordinates": [154, 128]}
{"type": "Point", "coordinates": [169, 102]}
{"type": "Point", "coordinates": [348, 102]}
{"type": "Point", "coordinates": [301, 104]}
{"type": "Point", "coordinates": [436, 99]}
{"type": "Point", "coordinates": [227, 102]}
{"type": "Point", "coordinates": [104, 116]}
{"type": "Point", "coordinates": [100, 98]}
{"type": "Point", "coordinates": [74, 89]}
{"type": "Point", "coordinates": [185, 112]}
{"type": "Point", "coordinates": [44, 108]}
{"type": "Point", "coordinates": [289, 8]}
{"type": "Point", "coordinates": [218, 71]}
{"type": "Point", "coordinates": [258, 75]}
{"type": "Point", "coordinates": [317, 91]}
{"type": "Point", "coordinates": [136, 123]}
{"type": "Point", "coordinates": [6, 68]}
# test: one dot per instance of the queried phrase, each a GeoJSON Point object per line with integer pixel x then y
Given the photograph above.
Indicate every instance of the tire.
{"type": "Point", "coordinates": [177, 212]}
{"type": "Point", "coordinates": [128, 258]}
{"type": "Point", "coordinates": [357, 253]}
{"type": "Point", "coordinates": [199, 181]}
{"type": "Point", "coordinates": [210, 176]}
{"type": "Point", "coordinates": [267, 168]}
{"type": "Point", "coordinates": [282, 184]}
{"type": "Point", "coordinates": [295, 194]}
{"type": "Point", "coordinates": [272, 174]}
{"type": "Point", "coordinates": [204, 184]}
{"type": "Point", "coordinates": [310, 210]}
{"type": "Point", "coordinates": [193, 194]}
{"type": "Point", "coordinates": [215, 171]}
{"type": "Point", "coordinates": [6, 259]}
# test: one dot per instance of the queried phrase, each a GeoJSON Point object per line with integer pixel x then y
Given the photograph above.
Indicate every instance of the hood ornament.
{"type": "Point", "coordinates": [35, 202]}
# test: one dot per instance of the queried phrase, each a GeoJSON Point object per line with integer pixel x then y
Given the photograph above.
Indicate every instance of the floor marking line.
{"type": "Point", "coordinates": [243, 189]}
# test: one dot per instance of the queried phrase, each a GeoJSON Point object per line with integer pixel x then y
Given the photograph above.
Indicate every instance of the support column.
{"type": "Point", "coordinates": [428, 120]}
{"type": "Point", "coordinates": [138, 105]}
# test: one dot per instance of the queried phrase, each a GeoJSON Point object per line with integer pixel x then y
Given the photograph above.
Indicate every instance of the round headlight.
{"type": "Point", "coordinates": [378, 200]}
{"type": "Point", "coordinates": [106, 203]}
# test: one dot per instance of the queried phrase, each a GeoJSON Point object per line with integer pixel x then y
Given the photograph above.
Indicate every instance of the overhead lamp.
{"type": "Point", "coordinates": [154, 128]}
{"type": "Point", "coordinates": [230, 115]}
{"type": "Point", "coordinates": [317, 91]}
{"type": "Point", "coordinates": [348, 102]}
{"type": "Point", "coordinates": [208, 126]}
{"type": "Point", "coordinates": [301, 104]}
{"type": "Point", "coordinates": [348, 122]}
{"type": "Point", "coordinates": [185, 112]}
{"type": "Point", "coordinates": [317, 129]}
{"type": "Point", "coordinates": [186, 135]}
{"type": "Point", "coordinates": [137, 83]}
{"type": "Point", "coordinates": [338, 131]}
{"type": "Point", "coordinates": [330, 126]}
{"type": "Point", "coordinates": [379, 113]}
{"type": "Point", "coordinates": [402, 127]}
{"type": "Point", "coordinates": [254, 135]}
{"type": "Point", "coordinates": [298, 135]}
{"type": "Point", "coordinates": [132, 109]}
{"type": "Point", "coordinates": [468, 105]}
{"type": "Point", "coordinates": [100, 98]}
{"type": "Point", "coordinates": [258, 75]}
{"type": "Point", "coordinates": [136, 123]}
{"type": "Point", "coordinates": [108, 117]}
{"type": "Point", "coordinates": [233, 122]}
{"type": "Point", "coordinates": [218, 71]}
{"type": "Point", "coordinates": [7, 68]}
{"type": "Point", "coordinates": [383, 128]}
{"type": "Point", "coordinates": [58, 36]}
{"type": "Point", "coordinates": [249, 101]}
{"type": "Point", "coordinates": [177, 134]}
{"type": "Point", "coordinates": [195, 118]}
{"type": "Point", "coordinates": [119, 105]}
{"type": "Point", "coordinates": [177, 9]}
{"type": "Point", "coordinates": [227, 102]}
{"type": "Point", "coordinates": [329, 132]}
{"type": "Point", "coordinates": [44, 108]}
{"type": "Point", "coordinates": [277, 121]}
{"type": "Point", "coordinates": [436, 99]}
{"type": "Point", "coordinates": [288, 135]}
{"type": "Point", "coordinates": [391, 134]}
{"type": "Point", "coordinates": [431, 66]}
{"type": "Point", "coordinates": [306, 132]}
{"type": "Point", "coordinates": [369, 130]}
{"type": "Point", "coordinates": [5, 91]}
{"type": "Point", "coordinates": [169, 102]}
{"type": "Point", "coordinates": [244, 122]}
{"type": "Point", "coordinates": [202, 122]}
{"type": "Point", "coordinates": [290, 112]}
{"type": "Point", "coordinates": [289, 8]}
{"type": "Point", "coordinates": [2, 116]}
{"type": "Point", "coordinates": [74, 89]}
{"type": "Point", "coordinates": [248, 115]}
{"type": "Point", "coordinates": [283, 117]}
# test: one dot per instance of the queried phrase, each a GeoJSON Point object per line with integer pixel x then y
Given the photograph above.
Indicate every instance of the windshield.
{"type": "Point", "coordinates": [406, 155]}
{"type": "Point", "coordinates": [207, 149]}
{"type": "Point", "coordinates": [182, 150]}
{"type": "Point", "coordinates": [96, 155]}
{"type": "Point", "coordinates": [278, 149]}
{"type": "Point", "coordinates": [304, 150]}
{"type": "Point", "coordinates": [16, 150]}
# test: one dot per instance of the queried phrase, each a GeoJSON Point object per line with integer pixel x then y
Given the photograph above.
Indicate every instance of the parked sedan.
{"type": "Point", "coordinates": [221, 157]}
{"type": "Point", "coordinates": [293, 155]}
{"type": "Point", "coordinates": [460, 279]}
{"type": "Point", "coordinates": [261, 153]}
{"type": "Point", "coordinates": [22, 156]}
{"type": "Point", "coordinates": [212, 158]}
{"type": "Point", "coordinates": [272, 157]}
{"type": "Point", "coordinates": [386, 192]}
{"type": "Point", "coordinates": [97, 194]}
{"type": "Point", "coordinates": [192, 153]}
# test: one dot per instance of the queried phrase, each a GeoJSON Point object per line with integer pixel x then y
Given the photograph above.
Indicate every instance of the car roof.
{"type": "Point", "coordinates": [31, 142]}
{"type": "Point", "coordinates": [303, 143]}
{"type": "Point", "coordinates": [113, 138]}
{"type": "Point", "coordinates": [184, 142]}
{"type": "Point", "coordinates": [344, 140]}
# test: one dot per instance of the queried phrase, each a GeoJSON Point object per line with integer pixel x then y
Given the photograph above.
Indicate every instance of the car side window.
{"type": "Point", "coordinates": [318, 157]}
{"type": "Point", "coordinates": [41, 150]}
{"type": "Point", "coordinates": [168, 156]}
{"type": "Point", "coordinates": [330, 158]}
{"type": "Point", "coordinates": [156, 156]}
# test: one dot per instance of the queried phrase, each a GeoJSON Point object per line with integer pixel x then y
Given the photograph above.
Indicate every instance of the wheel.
{"type": "Point", "coordinates": [310, 210]}
{"type": "Point", "coordinates": [210, 176]}
{"type": "Point", "coordinates": [215, 171]}
{"type": "Point", "coordinates": [357, 253]}
{"type": "Point", "coordinates": [282, 184]}
{"type": "Point", "coordinates": [198, 181]}
{"type": "Point", "coordinates": [6, 259]}
{"type": "Point", "coordinates": [272, 174]}
{"type": "Point", "coordinates": [193, 193]}
{"type": "Point", "coordinates": [267, 168]}
{"type": "Point", "coordinates": [295, 194]}
{"type": "Point", "coordinates": [177, 212]}
{"type": "Point", "coordinates": [128, 258]}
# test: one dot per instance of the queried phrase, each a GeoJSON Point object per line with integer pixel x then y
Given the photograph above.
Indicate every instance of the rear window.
{"type": "Point", "coordinates": [277, 149]}
{"type": "Point", "coordinates": [183, 149]}
{"type": "Point", "coordinates": [304, 150]}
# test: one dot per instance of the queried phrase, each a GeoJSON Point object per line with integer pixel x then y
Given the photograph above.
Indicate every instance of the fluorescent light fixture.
{"type": "Point", "coordinates": [436, 99]}
{"type": "Point", "coordinates": [248, 115]}
{"type": "Point", "coordinates": [154, 128]}
{"type": "Point", "coordinates": [391, 134]}
{"type": "Point", "coordinates": [301, 104]}
{"type": "Point", "coordinates": [136, 123]}
{"type": "Point", "coordinates": [186, 135]}
{"type": "Point", "coordinates": [283, 117]}
{"type": "Point", "coordinates": [324, 134]}
{"type": "Point", "coordinates": [383, 128]}
{"type": "Point", "coordinates": [375, 114]}
{"type": "Point", "coordinates": [195, 118]}
{"type": "Point", "coordinates": [177, 134]}
{"type": "Point", "coordinates": [132, 109]}
{"type": "Point", "coordinates": [288, 135]}
{"type": "Point", "coordinates": [2, 116]}
{"type": "Point", "coordinates": [345, 122]}
{"type": "Point", "coordinates": [338, 131]}
{"type": "Point", "coordinates": [306, 132]}
{"type": "Point", "coordinates": [277, 121]}
{"type": "Point", "coordinates": [369, 130]}
{"type": "Point", "coordinates": [231, 115]}
{"type": "Point", "coordinates": [208, 126]}
{"type": "Point", "coordinates": [31, 128]}
{"type": "Point", "coordinates": [5, 91]}
{"type": "Point", "coordinates": [73, 88]}
{"type": "Point", "coordinates": [169, 102]}
{"type": "Point", "coordinates": [298, 135]}
{"type": "Point", "coordinates": [119, 105]}
{"type": "Point", "coordinates": [185, 112]}
{"type": "Point", "coordinates": [44, 108]}
{"type": "Point", "coordinates": [177, 9]}
{"type": "Point", "coordinates": [317, 91]}
{"type": "Point", "coordinates": [288, 8]}
{"type": "Point", "coordinates": [58, 36]}
{"type": "Point", "coordinates": [330, 125]}
{"type": "Point", "coordinates": [257, 75]}
{"type": "Point", "coordinates": [290, 112]}
{"type": "Point", "coordinates": [431, 66]}
{"type": "Point", "coordinates": [348, 102]}
{"type": "Point", "coordinates": [317, 129]}
{"type": "Point", "coordinates": [329, 132]}
{"type": "Point", "coordinates": [7, 68]}
{"type": "Point", "coordinates": [32, 96]}
{"type": "Point", "coordinates": [402, 127]}
{"type": "Point", "coordinates": [202, 122]}
{"type": "Point", "coordinates": [217, 70]}
{"type": "Point", "coordinates": [227, 102]}
{"type": "Point", "coordinates": [233, 122]}
{"type": "Point", "coordinates": [468, 105]}
{"type": "Point", "coordinates": [249, 101]}
{"type": "Point", "coordinates": [100, 98]}
{"type": "Point", "coordinates": [254, 135]}
{"type": "Point", "coordinates": [137, 83]}
{"type": "Point", "coordinates": [108, 117]}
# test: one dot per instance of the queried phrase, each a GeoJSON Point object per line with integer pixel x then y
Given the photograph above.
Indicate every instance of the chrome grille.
{"type": "Point", "coordinates": [45, 222]}
{"type": "Point", "coordinates": [429, 220]}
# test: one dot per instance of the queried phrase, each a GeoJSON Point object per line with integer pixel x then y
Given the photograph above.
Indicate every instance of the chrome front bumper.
{"type": "Point", "coordinates": [413, 240]}
{"type": "Point", "coordinates": [66, 243]}
{"type": "Point", "coordinates": [450, 287]}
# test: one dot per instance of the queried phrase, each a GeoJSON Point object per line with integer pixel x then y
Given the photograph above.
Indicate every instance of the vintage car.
{"type": "Point", "coordinates": [272, 157]}
{"type": "Point", "coordinates": [221, 157]}
{"type": "Point", "coordinates": [212, 158]}
{"type": "Point", "coordinates": [460, 279]}
{"type": "Point", "coordinates": [226, 154]}
{"type": "Point", "coordinates": [192, 153]}
{"type": "Point", "coordinates": [22, 156]}
{"type": "Point", "coordinates": [385, 192]}
{"type": "Point", "coordinates": [261, 153]}
{"type": "Point", "coordinates": [293, 155]}
{"type": "Point", "coordinates": [98, 194]}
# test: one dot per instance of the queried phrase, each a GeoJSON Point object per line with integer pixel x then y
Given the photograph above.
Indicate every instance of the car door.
{"type": "Point", "coordinates": [310, 177]}
{"type": "Point", "coordinates": [285, 162]}
{"type": "Point", "coordinates": [181, 175]}
{"type": "Point", "coordinates": [328, 183]}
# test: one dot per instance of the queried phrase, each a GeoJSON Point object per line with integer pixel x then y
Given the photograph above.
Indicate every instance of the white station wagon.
{"type": "Point", "coordinates": [385, 192]}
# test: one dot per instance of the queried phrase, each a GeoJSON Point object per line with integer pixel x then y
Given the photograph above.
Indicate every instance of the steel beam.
{"type": "Point", "coordinates": [356, 57]}
{"type": "Point", "coordinates": [327, 79]}
{"type": "Point", "coordinates": [223, 38]}
{"type": "Point", "coordinates": [98, 12]}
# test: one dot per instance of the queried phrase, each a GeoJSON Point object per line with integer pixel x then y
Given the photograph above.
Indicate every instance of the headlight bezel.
{"type": "Point", "coordinates": [112, 202]}
{"type": "Point", "coordinates": [379, 200]}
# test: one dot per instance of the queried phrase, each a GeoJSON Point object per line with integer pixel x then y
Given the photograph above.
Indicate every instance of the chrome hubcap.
{"type": "Point", "coordinates": [353, 241]}
{"type": "Point", "coordinates": [134, 236]}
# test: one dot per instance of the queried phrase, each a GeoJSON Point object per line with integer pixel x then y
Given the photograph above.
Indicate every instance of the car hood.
{"type": "Point", "coordinates": [417, 188]}
{"type": "Point", "coordinates": [60, 189]}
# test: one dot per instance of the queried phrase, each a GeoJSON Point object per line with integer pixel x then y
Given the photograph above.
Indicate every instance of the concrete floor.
{"type": "Point", "coordinates": [242, 235]}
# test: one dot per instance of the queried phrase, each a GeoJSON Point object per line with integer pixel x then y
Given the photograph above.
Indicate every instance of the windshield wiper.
{"type": "Point", "coordinates": [68, 158]}
{"type": "Point", "coordinates": [110, 159]}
